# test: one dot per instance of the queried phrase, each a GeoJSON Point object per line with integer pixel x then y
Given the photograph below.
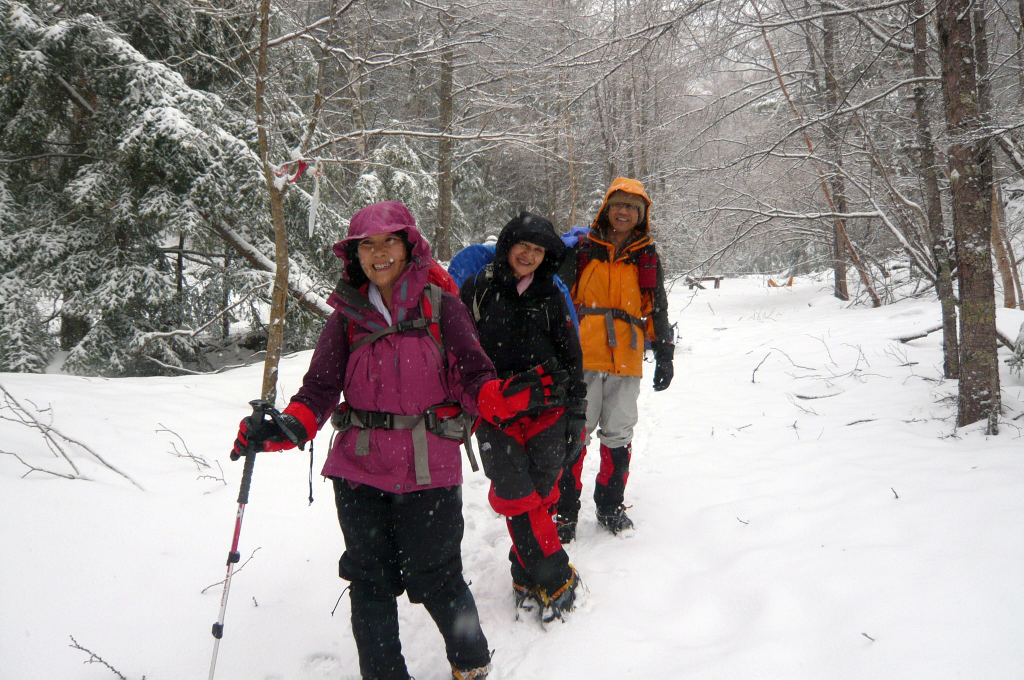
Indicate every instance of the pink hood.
{"type": "Point", "coordinates": [386, 218]}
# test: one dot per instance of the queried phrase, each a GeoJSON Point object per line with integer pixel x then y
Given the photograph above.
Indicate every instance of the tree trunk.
{"type": "Point", "coordinates": [835, 155]}
{"type": "Point", "coordinates": [574, 191]}
{"type": "Point", "coordinates": [225, 298]}
{"type": "Point", "coordinates": [1000, 222]}
{"type": "Point", "coordinates": [279, 297]}
{"type": "Point", "coordinates": [940, 242]}
{"type": "Point", "coordinates": [979, 397]}
{"type": "Point", "coordinates": [1020, 55]}
{"type": "Point", "coordinates": [445, 150]}
{"type": "Point", "coordinates": [1002, 259]}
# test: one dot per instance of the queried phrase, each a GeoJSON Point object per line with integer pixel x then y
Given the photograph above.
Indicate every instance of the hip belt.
{"type": "Point", "coordinates": [443, 420]}
{"type": "Point", "coordinates": [619, 314]}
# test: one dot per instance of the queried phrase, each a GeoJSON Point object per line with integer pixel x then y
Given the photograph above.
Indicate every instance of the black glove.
{"type": "Point", "coordinates": [575, 425]}
{"type": "Point", "coordinates": [265, 434]}
{"type": "Point", "coordinates": [541, 386]}
{"type": "Point", "coordinates": [663, 371]}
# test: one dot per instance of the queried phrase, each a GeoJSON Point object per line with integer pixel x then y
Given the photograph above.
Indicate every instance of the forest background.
{"type": "Point", "coordinates": [168, 169]}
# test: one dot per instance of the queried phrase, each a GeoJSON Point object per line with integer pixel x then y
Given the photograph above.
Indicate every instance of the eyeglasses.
{"type": "Point", "coordinates": [390, 243]}
{"type": "Point", "coordinates": [618, 205]}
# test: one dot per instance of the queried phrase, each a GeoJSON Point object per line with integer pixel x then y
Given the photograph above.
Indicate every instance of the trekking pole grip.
{"type": "Point", "coordinates": [243, 490]}
{"type": "Point", "coordinates": [259, 411]}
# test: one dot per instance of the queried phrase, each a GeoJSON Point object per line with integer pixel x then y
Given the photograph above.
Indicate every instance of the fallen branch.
{"type": "Point", "coordinates": [141, 342]}
{"type": "Point", "coordinates": [917, 336]}
{"type": "Point", "coordinates": [52, 436]}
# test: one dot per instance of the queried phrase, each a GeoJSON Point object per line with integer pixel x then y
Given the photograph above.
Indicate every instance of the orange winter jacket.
{"type": "Point", "coordinates": [620, 298]}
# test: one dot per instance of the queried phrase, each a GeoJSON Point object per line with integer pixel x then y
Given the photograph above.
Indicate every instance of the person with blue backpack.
{"type": "Point", "coordinates": [523, 321]}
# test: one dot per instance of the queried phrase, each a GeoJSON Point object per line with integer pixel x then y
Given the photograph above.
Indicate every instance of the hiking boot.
{"type": "Point", "coordinates": [526, 598]}
{"type": "Point", "coordinates": [615, 521]}
{"type": "Point", "coordinates": [472, 673]}
{"type": "Point", "coordinates": [566, 529]}
{"type": "Point", "coordinates": [561, 602]}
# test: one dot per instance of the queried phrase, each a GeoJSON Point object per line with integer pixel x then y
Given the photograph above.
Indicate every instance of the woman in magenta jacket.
{"type": "Point", "coordinates": [396, 357]}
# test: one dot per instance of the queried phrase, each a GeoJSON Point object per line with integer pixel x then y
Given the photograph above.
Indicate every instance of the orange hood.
{"type": "Point", "coordinates": [630, 186]}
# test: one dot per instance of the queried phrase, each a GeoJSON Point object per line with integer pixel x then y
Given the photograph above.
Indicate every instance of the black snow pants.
{"type": "Point", "coordinates": [411, 543]}
{"type": "Point", "coordinates": [523, 462]}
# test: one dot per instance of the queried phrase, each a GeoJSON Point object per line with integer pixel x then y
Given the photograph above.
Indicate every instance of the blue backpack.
{"type": "Point", "coordinates": [471, 259]}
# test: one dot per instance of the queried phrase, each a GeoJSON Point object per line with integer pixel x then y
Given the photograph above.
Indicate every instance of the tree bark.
{"type": "Point", "coordinates": [927, 166]}
{"type": "Point", "coordinates": [279, 297]}
{"type": "Point", "coordinates": [979, 397]}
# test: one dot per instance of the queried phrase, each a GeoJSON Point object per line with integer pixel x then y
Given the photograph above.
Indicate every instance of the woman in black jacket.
{"type": "Point", "coordinates": [523, 320]}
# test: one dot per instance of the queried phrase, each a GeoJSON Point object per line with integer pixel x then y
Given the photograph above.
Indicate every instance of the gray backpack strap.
{"type": "Point", "coordinates": [433, 294]}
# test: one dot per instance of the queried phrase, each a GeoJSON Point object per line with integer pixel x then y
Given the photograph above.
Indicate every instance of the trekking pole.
{"type": "Point", "coordinates": [260, 410]}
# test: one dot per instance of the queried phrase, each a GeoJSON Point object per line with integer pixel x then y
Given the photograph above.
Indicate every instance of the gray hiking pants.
{"type": "Point", "coordinates": [612, 404]}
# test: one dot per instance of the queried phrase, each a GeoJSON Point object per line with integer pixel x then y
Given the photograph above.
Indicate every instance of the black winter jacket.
{"type": "Point", "coordinates": [517, 331]}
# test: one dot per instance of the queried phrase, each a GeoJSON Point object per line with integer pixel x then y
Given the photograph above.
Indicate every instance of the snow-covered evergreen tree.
{"type": "Point", "coordinates": [131, 159]}
{"type": "Point", "coordinates": [395, 171]}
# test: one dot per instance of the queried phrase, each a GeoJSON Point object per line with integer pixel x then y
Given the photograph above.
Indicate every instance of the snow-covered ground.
{"type": "Point", "coordinates": [805, 509]}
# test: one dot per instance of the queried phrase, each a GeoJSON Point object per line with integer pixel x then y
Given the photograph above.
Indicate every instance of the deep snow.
{"type": "Point", "coordinates": [805, 509]}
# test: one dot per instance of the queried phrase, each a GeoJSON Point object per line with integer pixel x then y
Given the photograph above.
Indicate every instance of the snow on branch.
{"type": "Point", "coordinates": [299, 286]}
{"type": "Point", "coordinates": [142, 341]}
{"type": "Point", "coordinates": [842, 11]}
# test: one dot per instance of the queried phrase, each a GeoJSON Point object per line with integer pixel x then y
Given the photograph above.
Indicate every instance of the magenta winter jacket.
{"type": "Point", "coordinates": [399, 373]}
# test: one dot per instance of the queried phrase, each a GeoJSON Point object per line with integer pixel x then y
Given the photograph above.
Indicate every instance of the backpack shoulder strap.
{"type": "Point", "coordinates": [430, 318]}
{"type": "Point", "coordinates": [481, 290]}
{"type": "Point", "coordinates": [430, 306]}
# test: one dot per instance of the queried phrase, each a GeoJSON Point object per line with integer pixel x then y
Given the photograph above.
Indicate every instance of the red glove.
{"type": "Point", "coordinates": [267, 435]}
{"type": "Point", "coordinates": [538, 389]}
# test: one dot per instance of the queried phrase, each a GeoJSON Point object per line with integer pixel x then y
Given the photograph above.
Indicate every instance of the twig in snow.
{"type": "Point", "coordinates": [808, 411]}
{"type": "Point", "coordinates": [806, 368]}
{"type": "Point", "coordinates": [33, 468]}
{"type": "Point", "coordinates": [741, 521]}
{"type": "Point", "coordinates": [827, 351]}
{"type": "Point", "coordinates": [215, 477]}
{"type": "Point", "coordinates": [865, 420]}
{"type": "Point", "coordinates": [868, 637]}
{"type": "Point", "coordinates": [759, 366]}
{"type": "Point", "coordinates": [233, 572]}
{"type": "Point", "coordinates": [894, 492]}
{"type": "Point", "coordinates": [51, 436]}
{"type": "Point", "coordinates": [199, 461]}
{"type": "Point", "coordinates": [94, 658]}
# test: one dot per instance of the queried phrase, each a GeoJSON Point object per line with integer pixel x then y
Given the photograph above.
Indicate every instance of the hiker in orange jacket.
{"type": "Point", "coordinates": [619, 293]}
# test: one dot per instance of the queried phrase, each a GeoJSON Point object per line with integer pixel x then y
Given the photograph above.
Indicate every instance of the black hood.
{"type": "Point", "coordinates": [536, 230]}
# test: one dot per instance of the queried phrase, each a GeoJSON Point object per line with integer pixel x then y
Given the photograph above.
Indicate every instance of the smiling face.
{"type": "Point", "coordinates": [622, 216]}
{"type": "Point", "coordinates": [383, 258]}
{"type": "Point", "coordinates": [524, 258]}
